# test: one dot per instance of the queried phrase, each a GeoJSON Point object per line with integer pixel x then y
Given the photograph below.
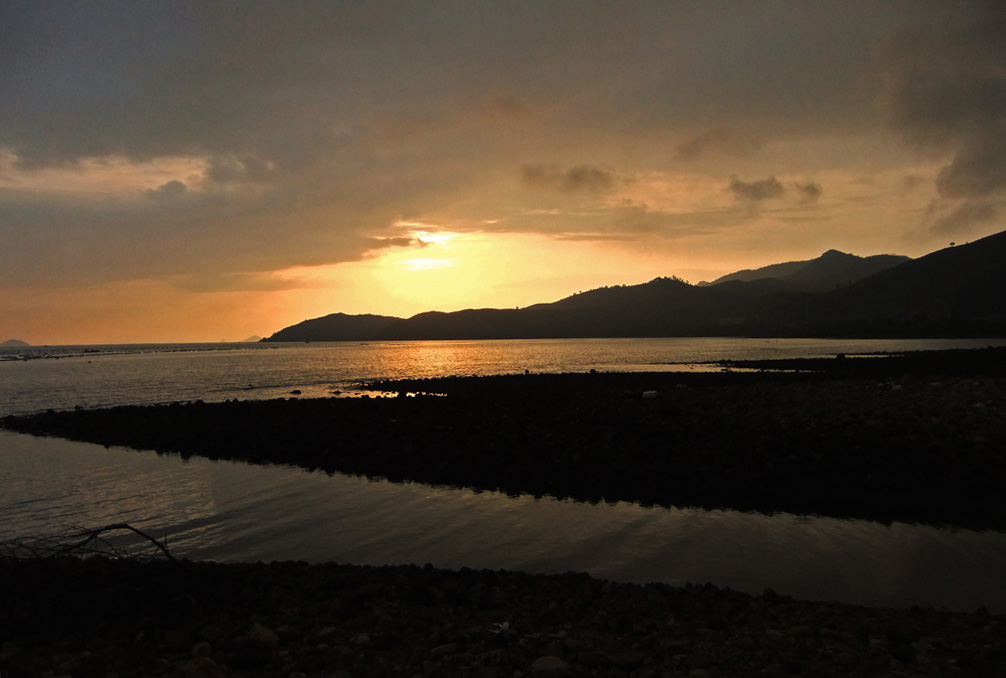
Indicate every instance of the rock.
{"type": "Point", "coordinates": [800, 631]}
{"type": "Point", "coordinates": [287, 633]}
{"type": "Point", "coordinates": [549, 667]}
{"type": "Point", "coordinates": [629, 660]}
{"type": "Point", "coordinates": [177, 639]}
{"type": "Point", "coordinates": [263, 636]}
{"type": "Point", "coordinates": [202, 649]}
{"type": "Point", "coordinates": [465, 659]}
{"type": "Point", "coordinates": [254, 648]}
{"type": "Point", "coordinates": [441, 650]}
{"type": "Point", "coordinates": [593, 658]}
{"type": "Point", "coordinates": [202, 667]}
{"type": "Point", "coordinates": [212, 632]}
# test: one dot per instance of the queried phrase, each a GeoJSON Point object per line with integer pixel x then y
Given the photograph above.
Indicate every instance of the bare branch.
{"type": "Point", "coordinates": [79, 541]}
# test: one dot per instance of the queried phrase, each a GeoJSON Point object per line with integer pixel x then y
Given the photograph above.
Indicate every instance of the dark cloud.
{"type": "Point", "coordinates": [231, 169]}
{"type": "Point", "coordinates": [946, 72]}
{"type": "Point", "coordinates": [143, 238]}
{"type": "Point", "coordinates": [717, 141]}
{"type": "Point", "coordinates": [167, 191]}
{"type": "Point", "coordinates": [964, 218]}
{"type": "Point", "coordinates": [383, 243]}
{"type": "Point", "coordinates": [910, 183]}
{"type": "Point", "coordinates": [757, 191]}
{"type": "Point", "coordinates": [579, 179]}
{"type": "Point", "coordinates": [622, 220]}
{"type": "Point", "coordinates": [947, 89]}
{"type": "Point", "coordinates": [506, 105]}
{"type": "Point", "coordinates": [589, 179]}
{"type": "Point", "coordinates": [978, 169]}
{"type": "Point", "coordinates": [284, 107]}
{"type": "Point", "coordinates": [282, 81]}
{"type": "Point", "coordinates": [810, 191]}
{"type": "Point", "coordinates": [935, 106]}
{"type": "Point", "coordinates": [183, 78]}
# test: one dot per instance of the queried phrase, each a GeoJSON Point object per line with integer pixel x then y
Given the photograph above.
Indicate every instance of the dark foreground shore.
{"type": "Point", "coordinates": [918, 438]}
{"type": "Point", "coordinates": [104, 618]}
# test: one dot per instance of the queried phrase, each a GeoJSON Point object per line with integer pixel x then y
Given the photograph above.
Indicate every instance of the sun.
{"type": "Point", "coordinates": [434, 238]}
{"type": "Point", "coordinates": [443, 270]}
{"type": "Point", "coordinates": [427, 263]}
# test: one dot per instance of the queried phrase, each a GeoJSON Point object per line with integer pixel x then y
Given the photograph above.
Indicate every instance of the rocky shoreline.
{"type": "Point", "coordinates": [111, 618]}
{"type": "Point", "coordinates": [919, 437]}
{"type": "Point", "coordinates": [914, 438]}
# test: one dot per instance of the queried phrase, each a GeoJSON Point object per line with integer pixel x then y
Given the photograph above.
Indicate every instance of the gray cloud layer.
{"type": "Point", "coordinates": [281, 83]}
{"type": "Point", "coordinates": [809, 191]}
{"type": "Point", "coordinates": [573, 180]}
{"type": "Point", "coordinates": [757, 191]}
{"type": "Point", "coordinates": [319, 124]}
{"type": "Point", "coordinates": [947, 88]}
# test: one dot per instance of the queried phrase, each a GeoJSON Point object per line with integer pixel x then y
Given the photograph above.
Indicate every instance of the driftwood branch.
{"type": "Point", "coordinates": [79, 542]}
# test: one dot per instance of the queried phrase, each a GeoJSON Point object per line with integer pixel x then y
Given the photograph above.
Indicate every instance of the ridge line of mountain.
{"type": "Point", "coordinates": [954, 292]}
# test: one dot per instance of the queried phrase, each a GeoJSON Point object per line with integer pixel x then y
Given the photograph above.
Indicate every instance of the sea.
{"type": "Point", "coordinates": [237, 512]}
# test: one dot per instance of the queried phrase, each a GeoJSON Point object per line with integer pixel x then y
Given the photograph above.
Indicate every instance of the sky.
{"type": "Point", "coordinates": [201, 171]}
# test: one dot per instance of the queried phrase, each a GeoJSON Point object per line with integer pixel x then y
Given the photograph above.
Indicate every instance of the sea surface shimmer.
{"type": "Point", "coordinates": [913, 439]}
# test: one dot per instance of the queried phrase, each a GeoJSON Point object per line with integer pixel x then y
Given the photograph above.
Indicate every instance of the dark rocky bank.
{"type": "Point", "coordinates": [920, 437]}
{"type": "Point", "coordinates": [109, 618]}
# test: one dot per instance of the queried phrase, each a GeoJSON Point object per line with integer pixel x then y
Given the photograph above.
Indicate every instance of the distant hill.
{"type": "Point", "coordinates": [336, 327]}
{"type": "Point", "coordinates": [14, 343]}
{"type": "Point", "coordinates": [959, 291]}
{"type": "Point", "coordinates": [830, 270]}
{"type": "Point", "coordinates": [251, 339]}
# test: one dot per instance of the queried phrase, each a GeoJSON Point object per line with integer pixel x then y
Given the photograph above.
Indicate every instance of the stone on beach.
{"type": "Point", "coordinates": [549, 667]}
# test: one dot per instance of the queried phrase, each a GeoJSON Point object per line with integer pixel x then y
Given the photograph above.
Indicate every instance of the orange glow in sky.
{"type": "Point", "coordinates": [196, 176]}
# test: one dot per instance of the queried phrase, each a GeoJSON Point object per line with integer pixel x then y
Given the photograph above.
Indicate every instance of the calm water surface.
{"type": "Point", "coordinates": [238, 512]}
{"type": "Point", "coordinates": [99, 376]}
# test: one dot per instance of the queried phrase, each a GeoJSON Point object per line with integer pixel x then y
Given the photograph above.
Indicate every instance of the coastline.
{"type": "Point", "coordinates": [915, 438]}
{"type": "Point", "coordinates": [104, 617]}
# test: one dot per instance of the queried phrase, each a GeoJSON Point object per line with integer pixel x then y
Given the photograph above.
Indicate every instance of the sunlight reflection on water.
{"type": "Point", "coordinates": [157, 374]}
{"type": "Point", "coordinates": [238, 512]}
{"type": "Point", "coordinates": [228, 511]}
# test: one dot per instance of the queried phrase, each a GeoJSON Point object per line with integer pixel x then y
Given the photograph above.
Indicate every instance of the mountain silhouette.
{"type": "Point", "coordinates": [337, 327]}
{"type": "Point", "coordinates": [958, 291]}
{"type": "Point", "coordinates": [831, 269]}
